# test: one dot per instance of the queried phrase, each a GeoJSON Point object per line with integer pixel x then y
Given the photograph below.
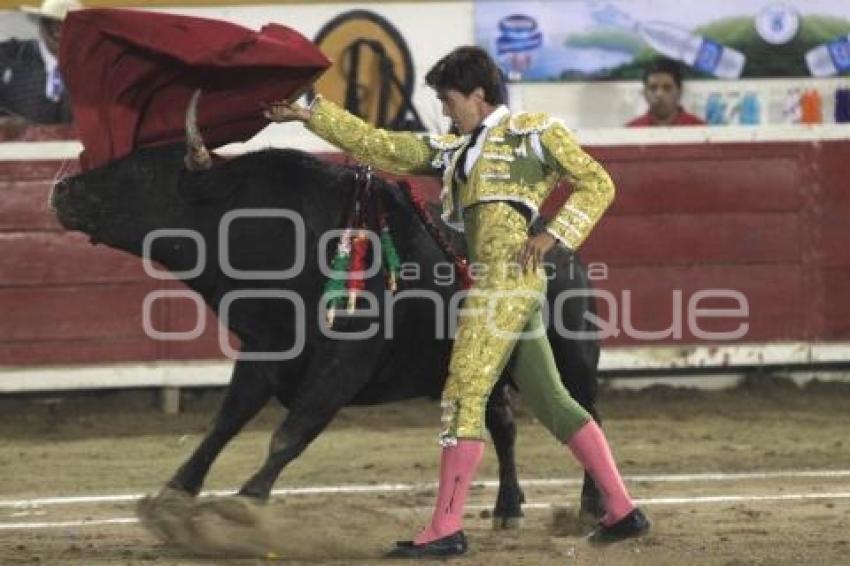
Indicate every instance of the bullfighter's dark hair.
{"type": "Point", "coordinates": [665, 66]}
{"type": "Point", "coordinates": [465, 69]}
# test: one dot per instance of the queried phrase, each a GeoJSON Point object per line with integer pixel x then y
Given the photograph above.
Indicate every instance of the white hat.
{"type": "Point", "coordinates": [53, 9]}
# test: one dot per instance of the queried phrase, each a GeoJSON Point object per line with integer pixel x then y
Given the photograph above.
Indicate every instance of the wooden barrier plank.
{"type": "Point", "coordinates": [688, 239]}
{"type": "Point", "coordinates": [646, 295]}
{"type": "Point", "coordinates": [205, 347]}
{"type": "Point", "coordinates": [832, 241]}
{"type": "Point", "coordinates": [836, 283]}
{"type": "Point", "coordinates": [71, 352]}
{"type": "Point", "coordinates": [58, 258]}
{"type": "Point", "coordinates": [25, 207]}
{"type": "Point", "coordinates": [832, 167]}
{"type": "Point", "coordinates": [88, 311]}
{"type": "Point", "coordinates": [37, 170]}
{"type": "Point", "coordinates": [706, 186]}
{"type": "Point", "coordinates": [705, 178]}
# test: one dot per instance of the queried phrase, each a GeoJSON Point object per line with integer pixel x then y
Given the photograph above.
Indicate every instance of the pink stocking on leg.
{"type": "Point", "coordinates": [457, 469]}
{"type": "Point", "coordinates": [590, 447]}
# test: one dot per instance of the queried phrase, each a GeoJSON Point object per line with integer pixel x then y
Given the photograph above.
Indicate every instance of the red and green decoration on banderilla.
{"type": "Point", "coordinates": [348, 267]}
{"type": "Point", "coordinates": [349, 264]}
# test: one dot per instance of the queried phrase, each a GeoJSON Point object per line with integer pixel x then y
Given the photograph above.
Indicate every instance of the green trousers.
{"type": "Point", "coordinates": [536, 376]}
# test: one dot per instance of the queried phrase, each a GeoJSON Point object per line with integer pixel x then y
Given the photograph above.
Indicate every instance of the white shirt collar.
{"type": "Point", "coordinates": [489, 122]}
{"type": "Point", "coordinates": [495, 117]}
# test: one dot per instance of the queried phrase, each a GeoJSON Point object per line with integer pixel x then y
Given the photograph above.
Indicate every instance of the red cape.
{"type": "Point", "coordinates": [131, 73]}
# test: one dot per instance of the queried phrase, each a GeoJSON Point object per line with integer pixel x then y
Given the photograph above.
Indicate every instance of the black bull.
{"type": "Point", "coordinates": [123, 202]}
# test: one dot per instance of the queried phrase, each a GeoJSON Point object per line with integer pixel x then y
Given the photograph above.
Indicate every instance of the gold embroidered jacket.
{"type": "Point", "coordinates": [523, 158]}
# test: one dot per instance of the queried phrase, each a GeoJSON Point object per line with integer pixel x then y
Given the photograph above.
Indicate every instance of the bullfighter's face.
{"type": "Point", "coordinates": [464, 110]}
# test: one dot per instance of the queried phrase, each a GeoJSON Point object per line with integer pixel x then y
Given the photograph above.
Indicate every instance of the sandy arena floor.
{"type": "Point", "coordinates": [760, 475]}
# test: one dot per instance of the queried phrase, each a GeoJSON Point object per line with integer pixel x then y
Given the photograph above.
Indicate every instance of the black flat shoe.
{"type": "Point", "coordinates": [633, 525]}
{"type": "Point", "coordinates": [452, 545]}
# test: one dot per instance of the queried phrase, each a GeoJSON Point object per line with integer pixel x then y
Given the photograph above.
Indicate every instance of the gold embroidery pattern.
{"type": "Point", "coordinates": [497, 151]}
{"type": "Point", "coordinates": [445, 142]}
{"type": "Point", "coordinates": [527, 122]}
{"type": "Point", "coordinates": [493, 167]}
{"type": "Point", "coordinates": [495, 311]}
{"type": "Point", "coordinates": [509, 189]}
{"type": "Point", "coordinates": [593, 188]}
{"type": "Point", "coordinates": [396, 152]}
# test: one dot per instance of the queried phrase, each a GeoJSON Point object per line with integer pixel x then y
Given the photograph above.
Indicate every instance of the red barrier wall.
{"type": "Point", "coordinates": [768, 220]}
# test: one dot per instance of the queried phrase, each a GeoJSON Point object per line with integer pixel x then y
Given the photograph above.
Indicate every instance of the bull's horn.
{"type": "Point", "coordinates": [197, 156]}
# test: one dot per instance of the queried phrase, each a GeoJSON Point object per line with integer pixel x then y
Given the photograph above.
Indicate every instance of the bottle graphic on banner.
{"type": "Point", "coordinates": [519, 37]}
{"type": "Point", "coordinates": [842, 105]}
{"type": "Point", "coordinates": [830, 58]}
{"type": "Point", "coordinates": [750, 110]}
{"type": "Point", "coordinates": [792, 112]}
{"type": "Point", "coordinates": [715, 109]}
{"type": "Point", "coordinates": [701, 53]}
{"type": "Point", "coordinates": [811, 107]}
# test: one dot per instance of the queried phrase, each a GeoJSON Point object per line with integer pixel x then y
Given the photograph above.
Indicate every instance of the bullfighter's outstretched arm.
{"type": "Point", "coordinates": [394, 152]}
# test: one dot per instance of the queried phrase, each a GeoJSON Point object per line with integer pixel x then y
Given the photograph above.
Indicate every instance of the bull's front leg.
{"type": "Point", "coordinates": [507, 513]}
{"type": "Point", "coordinates": [170, 515]}
{"type": "Point", "coordinates": [338, 371]}
{"type": "Point", "coordinates": [249, 390]}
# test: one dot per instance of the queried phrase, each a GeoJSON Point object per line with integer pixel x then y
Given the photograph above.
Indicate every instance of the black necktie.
{"type": "Point", "coordinates": [461, 161]}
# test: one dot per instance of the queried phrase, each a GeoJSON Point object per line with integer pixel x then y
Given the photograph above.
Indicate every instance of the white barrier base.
{"type": "Point", "coordinates": [719, 367]}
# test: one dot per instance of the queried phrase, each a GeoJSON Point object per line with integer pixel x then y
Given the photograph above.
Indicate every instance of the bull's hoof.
{"type": "Point", "coordinates": [239, 510]}
{"type": "Point", "coordinates": [507, 523]}
{"type": "Point", "coordinates": [233, 526]}
{"type": "Point", "coordinates": [165, 516]}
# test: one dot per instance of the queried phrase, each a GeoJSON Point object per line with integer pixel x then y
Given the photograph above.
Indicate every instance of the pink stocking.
{"type": "Point", "coordinates": [457, 469]}
{"type": "Point", "coordinates": [590, 448]}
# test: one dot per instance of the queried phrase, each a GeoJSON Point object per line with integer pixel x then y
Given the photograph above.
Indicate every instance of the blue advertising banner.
{"type": "Point", "coordinates": [562, 40]}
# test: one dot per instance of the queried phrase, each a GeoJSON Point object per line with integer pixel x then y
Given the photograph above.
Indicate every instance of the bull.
{"type": "Point", "coordinates": [125, 201]}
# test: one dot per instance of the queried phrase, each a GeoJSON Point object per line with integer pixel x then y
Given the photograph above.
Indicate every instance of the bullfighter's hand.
{"type": "Point", "coordinates": [531, 255]}
{"type": "Point", "coordinates": [283, 111]}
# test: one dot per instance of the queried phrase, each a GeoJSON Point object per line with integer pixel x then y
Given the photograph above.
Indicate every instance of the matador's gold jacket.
{"type": "Point", "coordinates": [523, 158]}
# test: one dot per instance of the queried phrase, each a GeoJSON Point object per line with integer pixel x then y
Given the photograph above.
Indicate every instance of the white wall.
{"type": "Point", "coordinates": [16, 24]}
{"type": "Point", "coordinates": [432, 30]}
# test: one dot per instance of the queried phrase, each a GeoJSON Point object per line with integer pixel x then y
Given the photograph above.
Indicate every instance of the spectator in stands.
{"type": "Point", "coordinates": [31, 90]}
{"type": "Point", "coordinates": [662, 89]}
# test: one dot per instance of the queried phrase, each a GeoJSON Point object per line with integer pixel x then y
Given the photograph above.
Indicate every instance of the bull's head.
{"type": "Point", "coordinates": [120, 203]}
{"type": "Point", "coordinates": [167, 188]}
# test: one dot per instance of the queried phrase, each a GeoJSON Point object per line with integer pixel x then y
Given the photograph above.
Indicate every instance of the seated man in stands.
{"type": "Point", "coordinates": [662, 89]}
{"type": "Point", "coordinates": [31, 90]}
